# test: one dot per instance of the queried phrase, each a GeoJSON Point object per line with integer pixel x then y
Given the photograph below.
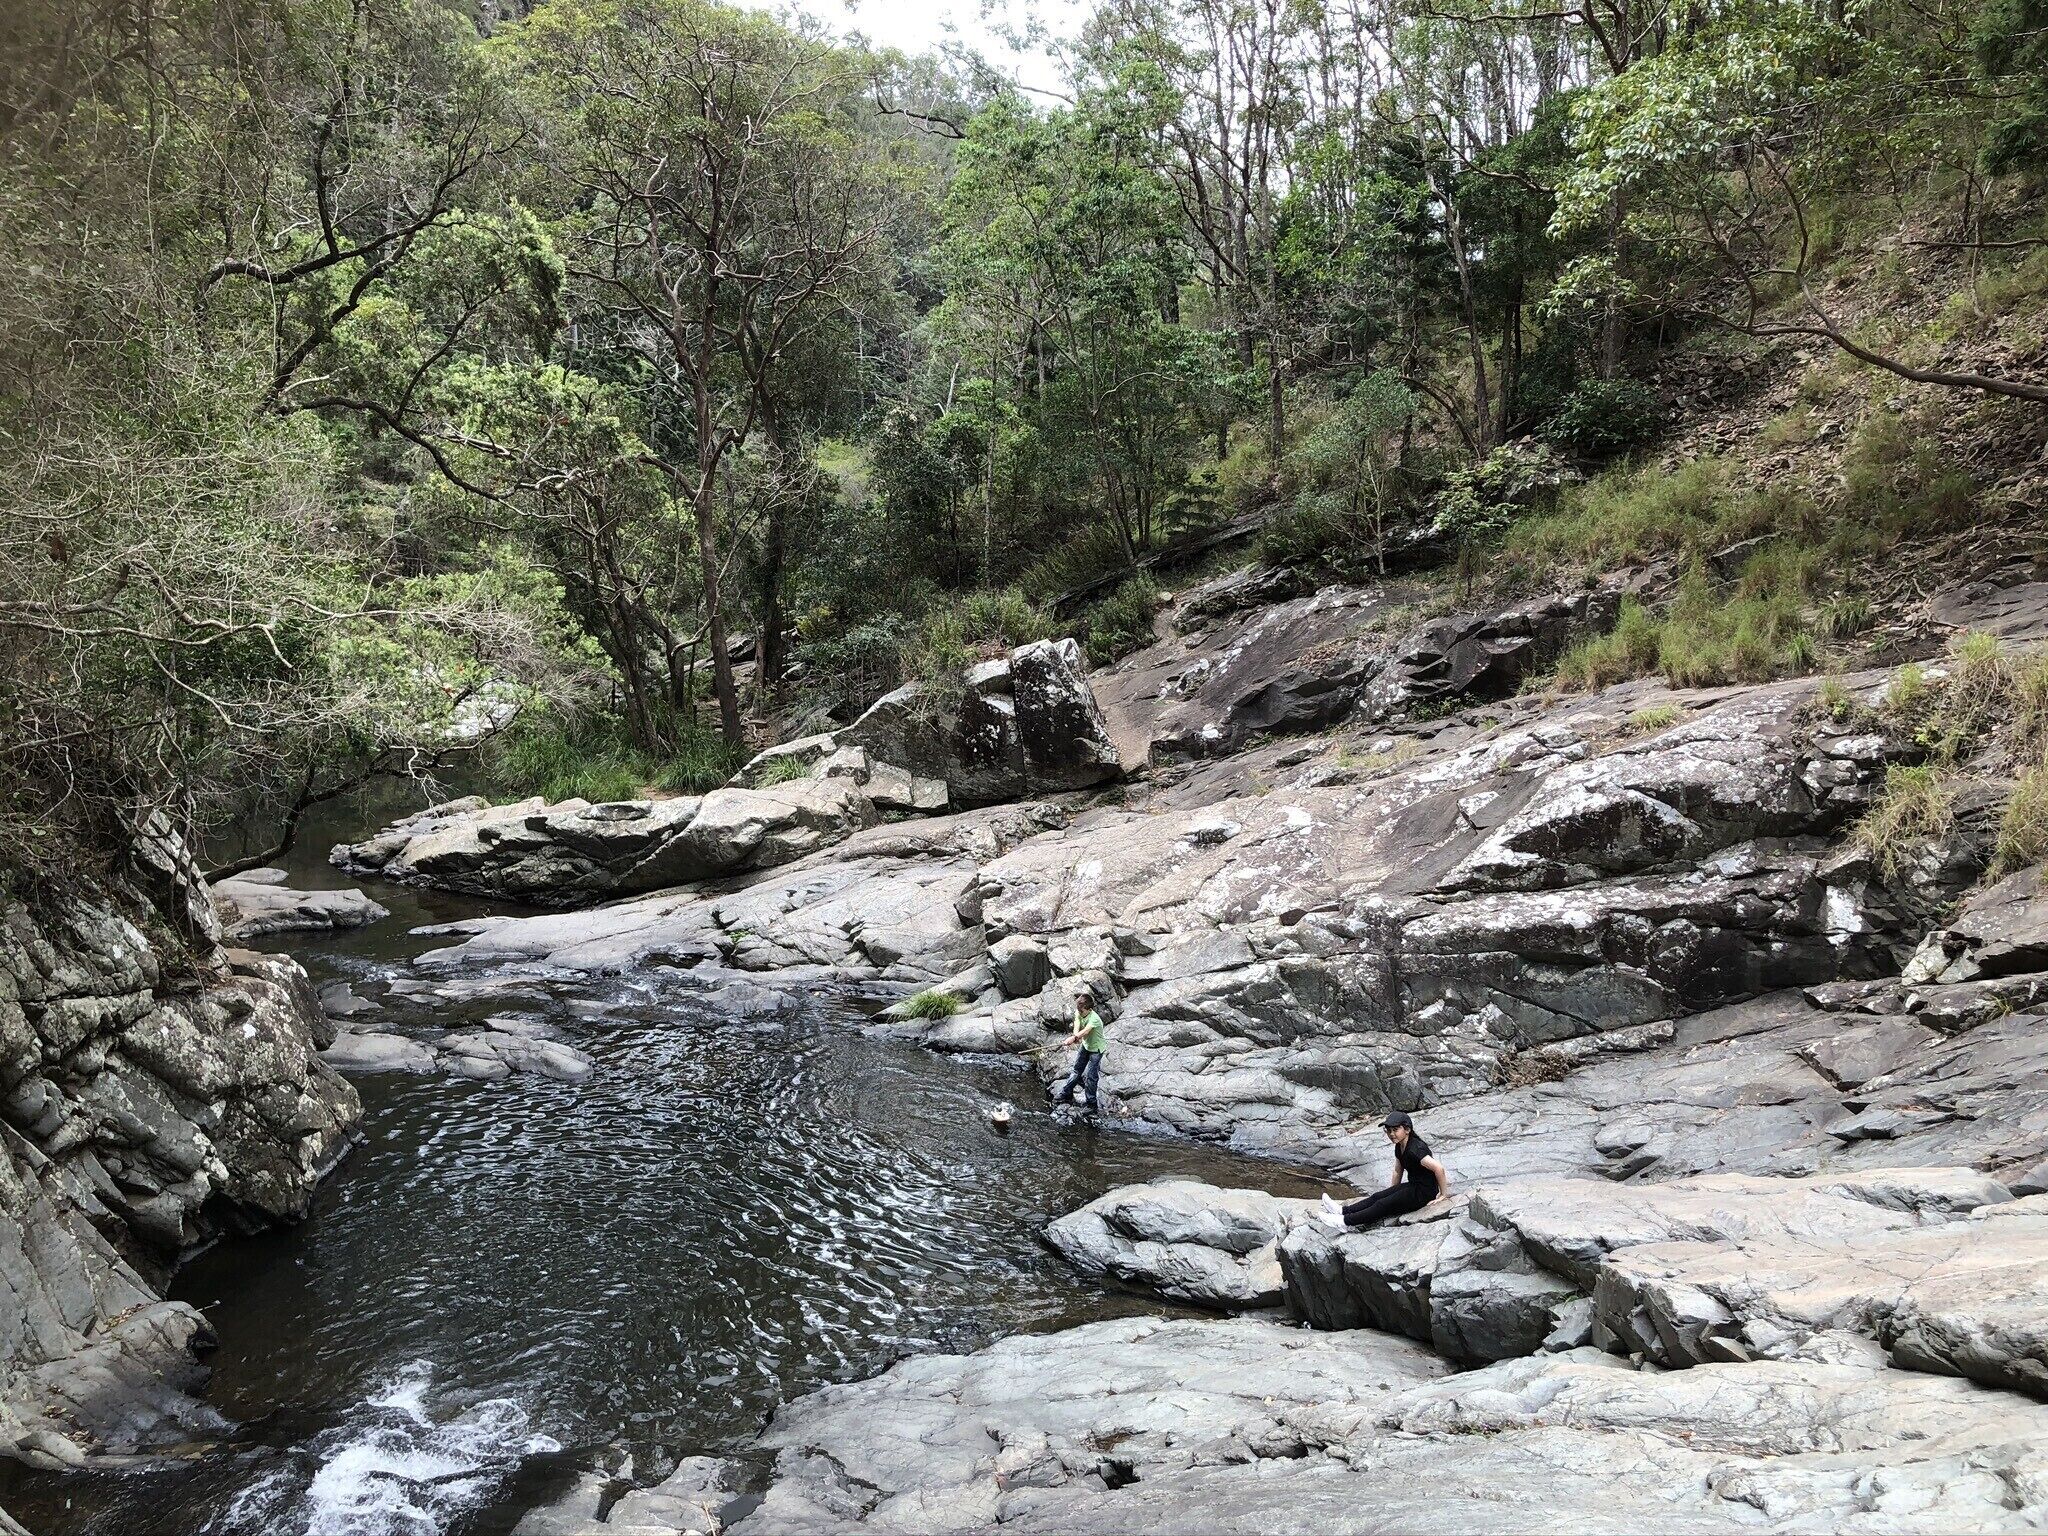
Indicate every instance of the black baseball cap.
{"type": "Point", "coordinates": [1397, 1120]}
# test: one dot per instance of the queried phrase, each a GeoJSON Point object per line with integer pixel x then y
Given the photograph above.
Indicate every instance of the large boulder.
{"type": "Point", "coordinates": [1184, 1240]}
{"type": "Point", "coordinates": [574, 852]}
{"type": "Point", "coordinates": [258, 903]}
{"type": "Point", "coordinates": [1720, 1267]}
{"type": "Point", "coordinates": [1023, 725]}
{"type": "Point", "coordinates": [1239, 670]}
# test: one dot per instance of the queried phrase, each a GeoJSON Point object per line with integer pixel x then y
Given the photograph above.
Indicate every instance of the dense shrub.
{"type": "Point", "coordinates": [1602, 418]}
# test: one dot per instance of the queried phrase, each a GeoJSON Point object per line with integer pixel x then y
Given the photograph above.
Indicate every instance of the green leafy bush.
{"type": "Point", "coordinates": [1602, 418]}
{"type": "Point", "coordinates": [1512, 482]}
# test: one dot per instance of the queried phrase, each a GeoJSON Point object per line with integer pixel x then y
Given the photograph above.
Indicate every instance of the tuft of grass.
{"type": "Point", "coordinates": [1840, 704]}
{"type": "Point", "coordinates": [2030, 705]}
{"type": "Point", "coordinates": [1908, 696]}
{"type": "Point", "coordinates": [784, 770]}
{"type": "Point", "coordinates": [1844, 616]}
{"type": "Point", "coordinates": [933, 1004]}
{"type": "Point", "coordinates": [1654, 717]}
{"type": "Point", "coordinates": [1916, 806]}
{"type": "Point", "coordinates": [1122, 622]}
{"type": "Point", "coordinates": [2023, 826]}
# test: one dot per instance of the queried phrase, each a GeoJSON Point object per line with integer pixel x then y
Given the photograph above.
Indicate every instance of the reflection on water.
{"type": "Point", "coordinates": [728, 1212]}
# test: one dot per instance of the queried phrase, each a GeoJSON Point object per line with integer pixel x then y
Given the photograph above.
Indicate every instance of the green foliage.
{"type": "Point", "coordinates": [1603, 418]}
{"type": "Point", "coordinates": [932, 1004]}
{"type": "Point", "coordinates": [2011, 42]}
{"type": "Point", "coordinates": [1346, 479]}
{"type": "Point", "coordinates": [2023, 824]}
{"type": "Point", "coordinates": [590, 755]}
{"type": "Point", "coordinates": [783, 770]}
{"type": "Point", "coordinates": [1654, 717]}
{"type": "Point", "coordinates": [1511, 483]}
{"type": "Point", "coordinates": [1916, 806]}
{"type": "Point", "coordinates": [1122, 622]}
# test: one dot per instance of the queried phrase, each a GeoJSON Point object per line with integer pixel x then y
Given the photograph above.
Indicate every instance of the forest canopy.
{"type": "Point", "coordinates": [609, 384]}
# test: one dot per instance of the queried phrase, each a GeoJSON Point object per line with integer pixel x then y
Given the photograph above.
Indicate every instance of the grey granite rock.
{"type": "Point", "coordinates": [1184, 1240]}
{"type": "Point", "coordinates": [1243, 1426]}
{"type": "Point", "coordinates": [259, 902]}
{"type": "Point", "coordinates": [154, 1090]}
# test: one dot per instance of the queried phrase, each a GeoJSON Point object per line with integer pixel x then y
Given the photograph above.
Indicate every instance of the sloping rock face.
{"type": "Point", "coordinates": [1243, 666]}
{"type": "Point", "coordinates": [574, 852]}
{"type": "Point", "coordinates": [1362, 931]}
{"type": "Point", "coordinates": [259, 903]}
{"type": "Point", "coordinates": [1184, 1240]}
{"type": "Point", "coordinates": [154, 1089]}
{"type": "Point", "coordinates": [1246, 1426]}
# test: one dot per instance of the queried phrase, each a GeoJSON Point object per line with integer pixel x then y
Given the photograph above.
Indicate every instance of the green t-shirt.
{"type": "Point", "coordinates": [1092, 1036]}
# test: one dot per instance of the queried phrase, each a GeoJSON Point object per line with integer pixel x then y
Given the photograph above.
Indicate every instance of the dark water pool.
{"type": "Point", "coordinates": [509, 1279]}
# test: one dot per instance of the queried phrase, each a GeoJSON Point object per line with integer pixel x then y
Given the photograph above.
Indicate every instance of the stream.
{"type": "Point", "coordinates": [507, 1282]}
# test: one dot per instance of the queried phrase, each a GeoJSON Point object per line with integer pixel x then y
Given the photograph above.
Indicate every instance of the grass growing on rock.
{"type": "Point", "coordinates": [1654, 717]}
{"type": "Point", "coordinates": [783, 770]}
{"type": "Point", "coordinates": [2023, 826]}
{"type": "Point", "coordinates": [1706, 635]}
{"type": "Point", "coordinates": [932, 1004]}
{"type": "Point", "coordinates": [1916, 806]}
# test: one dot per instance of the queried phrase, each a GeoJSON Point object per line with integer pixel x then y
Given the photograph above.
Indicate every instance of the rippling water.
{"type": "Point", "coordinates": [508, 1278]}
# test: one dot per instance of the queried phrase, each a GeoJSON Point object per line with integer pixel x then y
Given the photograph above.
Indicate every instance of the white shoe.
{"type": "Point", "coordinates": [1334, 1223]}
{"type": "Point", "coordinates": [1331, 1207]}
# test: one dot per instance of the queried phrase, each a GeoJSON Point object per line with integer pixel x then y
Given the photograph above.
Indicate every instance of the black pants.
{"type": "Point", "coordinates": [1397, 1200]}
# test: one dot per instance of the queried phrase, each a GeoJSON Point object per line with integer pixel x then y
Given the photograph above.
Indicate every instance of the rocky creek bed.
{"type": "Point", "coordinates": [1749, 1127]}
{"type": "Point", "coordinates": [514, 1276]}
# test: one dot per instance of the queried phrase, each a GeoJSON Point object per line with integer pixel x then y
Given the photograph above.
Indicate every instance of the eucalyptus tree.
{"type": "Point", "coordinates": [1731, 145]}
{"type": "Point", "coordinates": [719, 194]}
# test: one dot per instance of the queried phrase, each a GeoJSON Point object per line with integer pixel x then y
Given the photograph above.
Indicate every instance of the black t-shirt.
{"type": "Point", "coordinates": [1410, 1158]}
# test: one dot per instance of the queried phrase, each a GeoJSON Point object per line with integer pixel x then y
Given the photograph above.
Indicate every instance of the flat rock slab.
{"type": "Point", "coordinates": [574, 852]}
{"type": "Point", "coordinates": [1967, 1297]}
{"type": "Point", "coordinates": [1245, 1426]}
{"type": "Point", "coordinates": [1533, 1265]}
{"type": "Point", "coordinates": [1185, 1240]}
{"type": "Point", "coordinates": [259, 903]}
{"type": "Point", "coordinates": [488, 1054]}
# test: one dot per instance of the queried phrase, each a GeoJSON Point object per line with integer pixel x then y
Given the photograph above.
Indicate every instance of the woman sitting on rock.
{"type": "Point", "coordinates": [1418, 1179]}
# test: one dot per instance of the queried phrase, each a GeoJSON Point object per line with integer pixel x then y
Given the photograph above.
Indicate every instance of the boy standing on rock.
{"type": "Point", "coordinates": [1418, 1179]}
{"type": "Point", "coordinates": [1093, 1040]}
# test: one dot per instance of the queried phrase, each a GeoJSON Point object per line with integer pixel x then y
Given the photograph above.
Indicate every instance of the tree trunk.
{"type": "Point", "coordinates": [768, 647]}
{"type": "Point", "coordinates": [730, 721]}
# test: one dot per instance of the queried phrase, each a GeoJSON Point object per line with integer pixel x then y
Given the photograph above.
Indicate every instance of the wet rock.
{"type": "Point", "coordinates": [1184, 1240]}
{"type": "Point", "coordinates": [259, 902]}
{"type": "Point", "coordinates": [155, 1090]}
{"type": "Point", "coordinates": [369, 1050]}
{"type": "Point", "coordinates": [490, 1054]}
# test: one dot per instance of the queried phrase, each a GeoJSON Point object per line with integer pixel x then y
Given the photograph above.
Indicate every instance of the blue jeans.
{"type": "Point", "coordinates": [1087, 1074]}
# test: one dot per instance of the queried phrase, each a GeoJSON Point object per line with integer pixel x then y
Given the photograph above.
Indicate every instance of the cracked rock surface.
{"type": "Point", "coordinates": [154, 1089]}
